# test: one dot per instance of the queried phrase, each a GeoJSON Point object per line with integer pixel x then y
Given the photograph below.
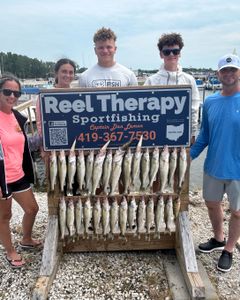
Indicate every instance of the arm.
{"type": "Point", "coordinates": [203, 137]}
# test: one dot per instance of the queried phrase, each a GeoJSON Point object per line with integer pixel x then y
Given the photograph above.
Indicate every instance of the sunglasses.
{"type": "Point", "coordinates": [7, 92]}
{"type": "Point", "coordinates": [167, 52]}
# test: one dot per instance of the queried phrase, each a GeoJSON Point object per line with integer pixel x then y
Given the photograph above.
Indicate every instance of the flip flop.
{"type": "Point", "coordinates": [12, 261]}
{"type": "Point", "coordinates": [36, 246]}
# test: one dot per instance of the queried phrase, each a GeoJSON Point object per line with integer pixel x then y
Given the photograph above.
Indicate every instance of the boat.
{"type": "Point", "coordinates": [213, 84]}
{"type": "Point", "coordinates": [200, 83]}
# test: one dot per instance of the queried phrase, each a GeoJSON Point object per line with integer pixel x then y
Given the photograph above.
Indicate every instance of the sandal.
{"type": "Point", "coordinates": [12, 262]}
{"type": "Point", "coordinates": [37, 246]}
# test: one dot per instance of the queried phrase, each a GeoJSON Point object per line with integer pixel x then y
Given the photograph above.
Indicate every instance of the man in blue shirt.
{"type": "Point", "coordinates": [220, 132]}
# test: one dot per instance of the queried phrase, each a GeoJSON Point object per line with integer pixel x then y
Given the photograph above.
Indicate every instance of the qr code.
{"type": "Point", "coordinates": [58, 136]}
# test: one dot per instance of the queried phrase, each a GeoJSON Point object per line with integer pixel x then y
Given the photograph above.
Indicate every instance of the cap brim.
{"type": "Point", "coordinates": [229, 66]}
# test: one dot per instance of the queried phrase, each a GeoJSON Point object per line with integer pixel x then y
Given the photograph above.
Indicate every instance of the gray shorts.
{"type": "Point", "coordinates": [214, 189]}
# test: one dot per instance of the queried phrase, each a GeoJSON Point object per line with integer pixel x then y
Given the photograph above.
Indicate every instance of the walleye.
{"type": "Point", "coordinates": [123, 216]}
{"type": "Point", "coordinates": [62, 216]}
{"type": "Point", "coordinates": [89, 171]}
{"type": "Point", "coordinates": [154, 166]}
{"type": "Point", "coordinates": [145, 168]}
{"type": "Point", "coordinates": [53, 169]}
{"type": "Point", "coordinates": [172, 169]}
{"type": "Point", "coordinates": [87, 214]}
{"type": "Point", "coordinates": [132, 213]}
{"type": "Point", "coordinates": [70, 218]}
{"type": "Point", "coordinates": [81, 168]}
{"type": "Point", "coordinates": [182, 166]}
{"type": "Point", "coordinates": [150, 216]}
{"type": "Point", "coordinates": [114, 217]}
{"type": "Point", "coordinates": [79, 216]}
{"type": "Point", "coordinates": [107, 169]}
{"type": "Point", "coordinates": [116, 170]}
{"type": "Point", "coordinates": [136, 182]}
{"type": "Point", "coordinates": [164, 168]}
{"type": "Point", "coordinates": [105, 216]}
{"type": "Point", "coordinates": [127, 166]}
{"type": "Point", "coordinates": [117, 167]}
{"type": "Point", "coordinates": [176, 207]}
{"type": "Point", "coordinates": [71, 168]}
{"type": "Point", "coordinates": [97, 211]}
{"type": "Point", "coordinates": [170, 224]}
{"type": "Point", "coordinates": [98, 167]}
{"type": "Point", "coordinates": [159, 217]}
{"type": "Point", "coordinates": [141, 218]}
{"type": "Point", "coordinates": [62, 169]}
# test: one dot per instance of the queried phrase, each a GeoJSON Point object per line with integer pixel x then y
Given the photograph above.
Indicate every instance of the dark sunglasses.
{"type": "Point", "coordinates": [167, 52]}
{"type": "Point", "coordinates": [7, 92]}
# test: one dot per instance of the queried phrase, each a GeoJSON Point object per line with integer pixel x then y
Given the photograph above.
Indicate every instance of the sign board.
{"type": "Point", "coordinates": [162, 115]}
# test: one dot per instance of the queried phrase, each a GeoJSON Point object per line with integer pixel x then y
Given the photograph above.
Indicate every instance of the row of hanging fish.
{"type": "Point", "coordinates": [134, 170]}
{"type": "Point", "coordinates": [104, 217]}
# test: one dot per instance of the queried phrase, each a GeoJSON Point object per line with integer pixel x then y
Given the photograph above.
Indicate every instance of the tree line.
{"type": "Point", "coordinates": [25, 67]}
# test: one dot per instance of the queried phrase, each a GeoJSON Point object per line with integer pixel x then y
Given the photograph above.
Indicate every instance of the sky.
{"type": "Point", "coordinates": [52, 29]}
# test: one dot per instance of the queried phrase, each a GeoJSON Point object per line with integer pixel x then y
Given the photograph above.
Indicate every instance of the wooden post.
{"type": "Point", "coordinates": [187, 258]}
{"type": "Point", "coordinates": [50, 260]}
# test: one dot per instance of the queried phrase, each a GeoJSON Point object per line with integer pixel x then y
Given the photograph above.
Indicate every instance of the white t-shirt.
{"type": "Point", "coordinates": [115, 76]}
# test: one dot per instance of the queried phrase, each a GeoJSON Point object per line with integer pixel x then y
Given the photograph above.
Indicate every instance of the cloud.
{"type": "Point", "coordinates": [52, 29]}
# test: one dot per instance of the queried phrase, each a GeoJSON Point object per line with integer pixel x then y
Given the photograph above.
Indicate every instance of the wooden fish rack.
{"type": "Point", "coordinates": [180, 240]}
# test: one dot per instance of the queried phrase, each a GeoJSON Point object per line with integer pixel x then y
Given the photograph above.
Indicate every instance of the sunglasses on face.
{"type": "Point", "coordinates": [167, 52]}
{"type": "Point", "coordinates": [7, 92]}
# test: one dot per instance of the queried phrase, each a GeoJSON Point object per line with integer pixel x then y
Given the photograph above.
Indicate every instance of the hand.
{"type": "Point", "coordinates": [192, 141]}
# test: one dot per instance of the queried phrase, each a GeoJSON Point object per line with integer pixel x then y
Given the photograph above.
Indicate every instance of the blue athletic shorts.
{"type": "Point", "coordinates": [214, 189]}
{"type": "Point", "coordinates": [18, 186]}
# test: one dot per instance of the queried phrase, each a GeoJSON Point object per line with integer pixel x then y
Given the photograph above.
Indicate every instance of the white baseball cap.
{"type": "Point", "coordinates": [229, 61]}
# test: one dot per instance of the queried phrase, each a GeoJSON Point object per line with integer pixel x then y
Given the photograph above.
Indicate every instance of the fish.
{"type": "Point", "coordinates": [150, 215]}
{"type": "Point", "coordinates": [71, 168]}
{"type": "Point", "coordinates": [170, 224]}
{"type": "Point", "coordinates": [53, 169]}
{"type": "Point", "coordinates": [141, 217]}
{"type": "Point", "coordinates": [159, 217]}
{"type": "Point", "coordinates": [98, 167]}
{"type": "Point", "coordinates": [127, 166]}
{"type": "Point", "coordinates": [105, 216]}
{"type": "Point", "coordinates": [182, 166]}
{"type": "Point", "coordinates": [136, 182]}
{"type": "Point", "coordinates": [70, 218]}
{"type": "Point", "coordinates": [145, 168]}
{"type": "Point", "coordinates": [79, 216]}
{"type": "Point", "coordinates": [116, 170]}
{"type": "Point", "coordinates": [81, 169]}
{"type": "Point", "coordinates": [107, 169]}
{"type": "Point", "coordinates": [176, 207]}
{"type": "Point", "coordinates": [164, 168]}
{"type": "Point", "coordinates": [87, 215]}
{"type": "Point", "coordinates": [154, 166]}
{"type": "Point", "coordinates": [114, 216]}
{"type": "Point", "coordinates": [62, 169]}
{"type": "Point", "coordinates": [132, 213]}
{"type": "Point", "coordinates": [172, 169]}
{"type": "Point", "coordinates": [89, 171]}
{"type": "Point", "coordinates": [123, 212]}
{"type": "Point", "coordinates": [62, 216]}
{"type": "Point", "coordinates": [97, 213]}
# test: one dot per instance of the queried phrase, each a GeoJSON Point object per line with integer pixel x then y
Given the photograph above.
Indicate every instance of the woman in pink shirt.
{"type": "Point", "coordinates": [16, 172]}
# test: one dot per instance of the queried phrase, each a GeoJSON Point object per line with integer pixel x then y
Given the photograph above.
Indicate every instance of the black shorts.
{"type": "Point", "coordinates": [20, 185]}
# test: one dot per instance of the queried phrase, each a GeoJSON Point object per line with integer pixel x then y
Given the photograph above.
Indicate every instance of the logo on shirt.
{"type": "Point", "coordinates": [106, 83]}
